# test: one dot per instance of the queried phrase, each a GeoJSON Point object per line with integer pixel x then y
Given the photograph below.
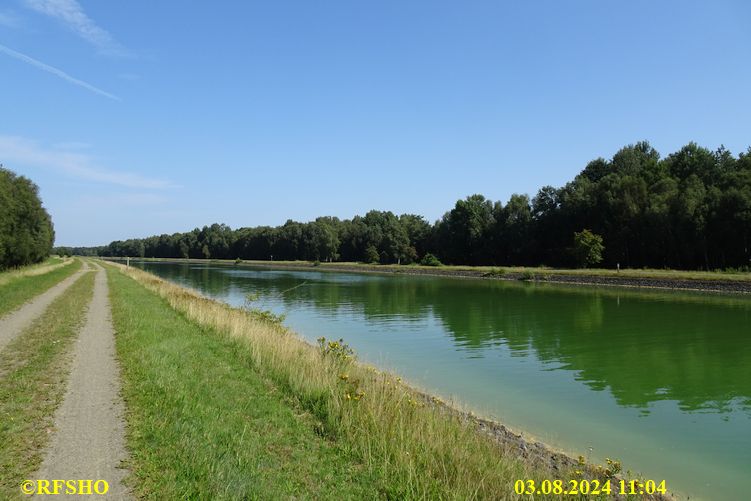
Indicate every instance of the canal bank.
{"type": "Point", "coordinates": [732, 283]}
{"type": "Point", "coordinates": [413, 445]}
{"type": "Point", "coordinates": [655, 379]}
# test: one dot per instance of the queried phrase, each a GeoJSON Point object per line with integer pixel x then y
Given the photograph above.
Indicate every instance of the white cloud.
{"type": "Point", "coordinates": [51, 69]}
{"type": "Point", "coordinates": [15, 149]}
{"type": "Point", "coordinates": [70, 13]}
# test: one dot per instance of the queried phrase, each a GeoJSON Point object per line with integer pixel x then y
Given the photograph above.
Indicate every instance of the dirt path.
{"type": "Point", "coordinates": [12, 324]}
{"type": "Point", "coordinates": [89, 436]}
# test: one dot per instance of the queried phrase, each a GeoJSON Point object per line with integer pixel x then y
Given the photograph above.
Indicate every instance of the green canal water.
{"type": "Point", "coordinates": [658, 380]}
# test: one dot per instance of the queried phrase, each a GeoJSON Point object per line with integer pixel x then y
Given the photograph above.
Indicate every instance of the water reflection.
{"type": "Point", "coordinates": [640, 347]}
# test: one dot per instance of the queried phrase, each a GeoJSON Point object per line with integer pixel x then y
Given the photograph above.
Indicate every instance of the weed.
{"type": "Point", "coordinates": [338, 350]}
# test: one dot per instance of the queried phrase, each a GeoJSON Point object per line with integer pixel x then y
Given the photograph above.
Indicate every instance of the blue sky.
{"type": "Point", "coordinates": [143, 117]}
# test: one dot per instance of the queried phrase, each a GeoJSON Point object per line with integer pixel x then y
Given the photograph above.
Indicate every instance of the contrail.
{"type": "Point", "coordinates": [60, 73]}
{"type": "Point", "coordinates": [70, 13]}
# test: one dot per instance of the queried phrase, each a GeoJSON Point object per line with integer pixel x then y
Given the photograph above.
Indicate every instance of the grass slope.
{"type": "Point", "coordinates": [33, 375]}
{"type": "Point", "coordinates": [203, 424]}
{"type": "Point", "coordinates": [18, 290]}
{"type": "Point", "coordinates": [224, 404]}
{"type": "Point", "coordinates": [46, 266]}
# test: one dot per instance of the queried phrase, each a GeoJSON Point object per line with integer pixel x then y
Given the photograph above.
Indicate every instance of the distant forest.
{"type": "Point", "coordinates": [689, 210]}
{"type": "Point", "coordinates": [26, 232]}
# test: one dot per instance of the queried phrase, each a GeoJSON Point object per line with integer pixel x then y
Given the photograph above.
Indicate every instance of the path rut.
{"type": "Point", "coordinates": [12, 324]}
{"type": "Point", "coordinates": [89, 436]}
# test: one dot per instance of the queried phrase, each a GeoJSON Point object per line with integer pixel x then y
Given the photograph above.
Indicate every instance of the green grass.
{"type": "Point", "coordinates": [222, 404]}
{"type": "Point", "coordinates": [48, 264]}
{"type": "Point", "coordinates": [203, 424]}
{"type": "Point", "coordinates": [33, 374]}
{"type": "Point", "coordinates": [20, 289]}
{"type": "Point", "coordinates": [49, 261]}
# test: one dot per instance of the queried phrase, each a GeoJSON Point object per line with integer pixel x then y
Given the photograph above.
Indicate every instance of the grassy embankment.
{"type": "Point", "coordinates": [33, 373]}
{"type": "Point", "coordinates": [497, 271]}
{"type": "Point", "coordinates": [45, 266]}
{"type": "Point", "coordinates": [18, 286]}
{"type": "Point", "coordinates": [224, 404]}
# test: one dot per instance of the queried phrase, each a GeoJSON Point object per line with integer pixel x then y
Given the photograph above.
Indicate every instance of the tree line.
{"type": "Point", "coordinates": [689, 210]}
{"type": "Point", "coordinates": [26, 232]}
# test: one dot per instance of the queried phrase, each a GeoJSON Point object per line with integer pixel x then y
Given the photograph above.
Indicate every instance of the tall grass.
{"type": "Point", "coordinates": [202, 423]}
{"type": "Point", "coordinates": [47, 266]}
{"type": "Point", "coordinates": [428, 451]}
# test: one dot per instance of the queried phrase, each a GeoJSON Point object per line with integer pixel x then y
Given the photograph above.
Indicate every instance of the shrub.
{"type": "Point", "coordinates": [430, 260]}
{"type": "Point", "coordinates": [527, 275]}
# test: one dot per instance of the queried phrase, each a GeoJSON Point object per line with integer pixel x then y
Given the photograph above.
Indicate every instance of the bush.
{"type": "Point", "coordinates": [430, 260]}
{"type": "Point", "coordinates": [527, 275]}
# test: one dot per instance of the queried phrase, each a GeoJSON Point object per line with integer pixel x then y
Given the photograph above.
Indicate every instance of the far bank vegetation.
{"type": "Point", "coordinates": [688, 210]}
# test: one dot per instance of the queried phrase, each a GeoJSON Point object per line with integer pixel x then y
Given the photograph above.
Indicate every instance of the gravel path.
{"type": "Point", "coordinates": [12, 324]}
{"type": "Point", "coordinates": [89, 436]}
